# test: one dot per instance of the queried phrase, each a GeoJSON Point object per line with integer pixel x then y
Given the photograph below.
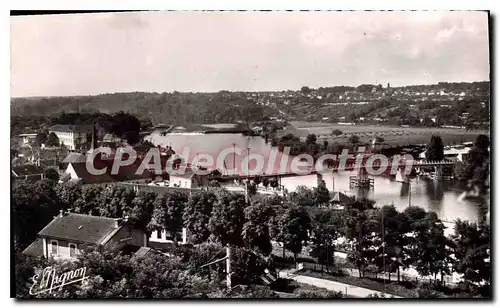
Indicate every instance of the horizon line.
{"type": "Point", "coordinates": [246, 91]}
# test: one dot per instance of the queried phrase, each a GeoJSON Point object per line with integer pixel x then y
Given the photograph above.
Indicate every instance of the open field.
{"type": "Point", "coordinates": [393, 135]}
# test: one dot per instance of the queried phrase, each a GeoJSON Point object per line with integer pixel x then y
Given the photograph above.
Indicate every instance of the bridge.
{"type": "Point", "coordinates": [347, 167]}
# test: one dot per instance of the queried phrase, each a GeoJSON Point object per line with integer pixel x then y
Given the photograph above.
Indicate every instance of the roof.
{"type": "Point", "coordinates": [29, 135]}
{"type": "Point", "coordinates": [143, 251]}
{"type": "Point", "coordinates": [87, 178]}
{"type": "Point", "coordinates": [22, 170]}
{"type": "Point", "coordinates": [74, 157]}
{"type": "Point", "coordinates": [188, 173]}
{"type": "Point", "coordinates": [81, 228]}
{"type": "Point", "coordinates": [71, 128]}
{"type": "Point", "coordinates": [35, 249]}
{"type": "Point", "coordinates": [339, 197]}
{"type": "Point", "coordinates": [125, 173]}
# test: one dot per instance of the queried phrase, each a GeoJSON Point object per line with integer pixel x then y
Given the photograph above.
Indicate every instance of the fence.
{"type": "Point", "coordinates": [336, 269]}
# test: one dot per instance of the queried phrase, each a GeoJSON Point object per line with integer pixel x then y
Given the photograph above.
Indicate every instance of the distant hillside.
{"type": "Point", "coordinates": [395, 105]}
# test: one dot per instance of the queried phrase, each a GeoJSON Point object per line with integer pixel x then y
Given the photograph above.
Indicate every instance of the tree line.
{"type": "Point", "coordinates": [379, 239]}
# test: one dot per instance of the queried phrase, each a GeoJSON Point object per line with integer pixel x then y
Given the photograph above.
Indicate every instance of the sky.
{"type": "Point", "coordinates": [86, 54]}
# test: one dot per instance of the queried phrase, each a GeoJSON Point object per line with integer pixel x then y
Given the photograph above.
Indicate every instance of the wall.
{"type": "Point", "coordinates": [63, 248]}
{"type": "Point", "coordinates": [137, 237]}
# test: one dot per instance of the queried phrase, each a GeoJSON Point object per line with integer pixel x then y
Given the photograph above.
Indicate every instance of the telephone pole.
{"type": "Point", "coordinates": [227, 258]}
{"type": "Point", "coordinates": [228, 267]}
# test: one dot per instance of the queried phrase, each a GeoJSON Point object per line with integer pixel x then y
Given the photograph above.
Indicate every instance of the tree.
{"type": "Point", "coordinates": [274, 182]}
{"type": "Point", "coordinates": [255, 231]}
{"type": "Point", "coordinates": [354, 139]}
{"type": "Point", "coordinates": [159, 217]}
{"type": "Point", "coordinates": [394, 226]}
{"type": "Point", "coordinates": [175, 203]}
{"type": "Point", "coordinates": [67, 193]}
{"type": "Point", "coordinates": [34, 205]}
{"type": "Point", "coordinates": [305, 90]}
{"type": "Point", "coordinates": [52, 140]}
{"type": "Point", "coordinates": [257, 180]}
{"type": "Point", "coordinates": [363, 229]}
{"type": "Point", "coordinates": [126, 126]}
{"type": "Point", "coordinates": [321, 195]}
{"type": "Point", "coordinates": [325, 145]}
{"type": "Point", "coordinates": [440, 247]}
{"type": "Point", "coordinates": [40, 139]}
{"type": "Point", "coordinates": [303, 196]}
{"type": "Point", "coordinates": [311, 139]}
{"type": "Point", "coordinates": [197, 215]}
{"type": "Point", "coordinates": [478, 164]}
{"type": "Point", "coordinates": [251, 188]}
{"type": "Point", "coordinates": [325, 225]}
{"type": "Point", "coordinates": [227, 219]}
{"type": "Point", "coordinates": [141, 209]}
{"type": "Point", "coordinates": [435, 149]}
{"type": "Point", "coordinates": [113, 200]}
{"type": "Point", "coordinates": [337, 132]}
{"type": "Point", "coordinates": [51, 174]}
{"type": "Point", "coordinates": [89, 201]}
{"type": "Point", "coordinates": [472, 253]}
{"type": "Point", "coordinates": [167, 213]}
{"type": "Point", "coordinates": [295, 224]}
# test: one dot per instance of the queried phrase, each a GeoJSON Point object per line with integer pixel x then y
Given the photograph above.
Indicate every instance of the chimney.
{"type": "Point", "coordinates": [120, 221]}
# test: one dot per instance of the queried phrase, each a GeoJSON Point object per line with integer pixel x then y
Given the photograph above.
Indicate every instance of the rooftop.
{"type": "Point", "coordinates": [81, 228]}
{"type": "Point", "coordinates": [71, 128]}
{"type": "Point", "coordinates": [22, 170]}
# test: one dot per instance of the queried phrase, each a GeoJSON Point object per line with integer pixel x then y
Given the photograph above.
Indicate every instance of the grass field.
{"type": "Point", "coordinates": [393, 136]}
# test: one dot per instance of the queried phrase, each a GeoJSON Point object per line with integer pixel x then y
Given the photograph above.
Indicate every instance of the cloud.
{"type": "Point", "coordinates": [210, 51]}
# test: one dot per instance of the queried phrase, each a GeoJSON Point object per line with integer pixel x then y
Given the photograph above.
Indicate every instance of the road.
{"type": "Point", "coordinates": [332, 285]}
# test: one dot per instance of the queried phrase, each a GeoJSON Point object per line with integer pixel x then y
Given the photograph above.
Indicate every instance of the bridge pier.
{"type": "Point", "coordinates": [362, 180]}
{"type": "Point", "coordinates": [438, 173]}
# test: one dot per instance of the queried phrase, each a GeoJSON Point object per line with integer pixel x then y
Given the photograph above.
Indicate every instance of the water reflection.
{"type": "Point", "coordinates": [442, 197]}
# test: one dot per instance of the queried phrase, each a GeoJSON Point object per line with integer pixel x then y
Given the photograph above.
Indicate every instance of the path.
{"type": "Point", "coordinates": [332, 285]}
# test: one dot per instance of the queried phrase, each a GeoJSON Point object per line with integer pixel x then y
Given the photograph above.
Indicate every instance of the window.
{"type": "Point", "coordinates": [72, 250]}
{"type": "Point", "coordinates": [158, 234]}
{"type": "Point", "coordinates": [55, 248]}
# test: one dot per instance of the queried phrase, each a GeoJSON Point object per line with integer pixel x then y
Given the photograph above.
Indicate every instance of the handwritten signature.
{"type": "Point", "coordinates": [49, 277]}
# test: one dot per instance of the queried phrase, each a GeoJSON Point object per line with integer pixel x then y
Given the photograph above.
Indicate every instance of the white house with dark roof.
{"type": "Point", "coordinates": [187, 178]}
{"type": "Point", "coordinates": [71, 135]}
{"type": "Point", "coordinates": [68, 233]}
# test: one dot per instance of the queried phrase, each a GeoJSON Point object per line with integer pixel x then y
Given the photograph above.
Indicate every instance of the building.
{"type": "Point", "coordinates": [163, 236]}
{"type": "Point", "coordinates": [28, 138]}
{"type": "Point", "coordinates": [71, 135]}
{"type": "Point", "coordinates": [187, 179]}
{"type": "Point", "coordinates": [68, 234]}
{"type": "Point", "coordinates": [27, 172]}
{"type": "Point", "coordinates": [77, 170]}
{"type": "Point", "coordinates": [456, 154]}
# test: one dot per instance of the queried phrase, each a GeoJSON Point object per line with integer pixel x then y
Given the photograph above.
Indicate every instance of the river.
{"type": "Point", "coordinates": [444, 198]}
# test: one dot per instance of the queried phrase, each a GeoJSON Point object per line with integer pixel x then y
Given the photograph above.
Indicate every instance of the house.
{"type": "Point", "coordinates": [28, 138]}
{"type": "Point", "coordinates": [340, 199]}
{"type": "Point", "coordinates": [68, 233]}
{"type": "Point", "coordinates": [110, 138]}
{"type": "Point", "coordinates": [163, 236]}
{"type": "Point", "coordinates": [187, 179]}
{"type": "Point", "coordinates": [453, 154]}
{"type": "Point", "coordinates": [71, 135]}
{"type": "Point", "coordinates": [78, 171]}
{"type": "Point", "coordinates": [27, 172]}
